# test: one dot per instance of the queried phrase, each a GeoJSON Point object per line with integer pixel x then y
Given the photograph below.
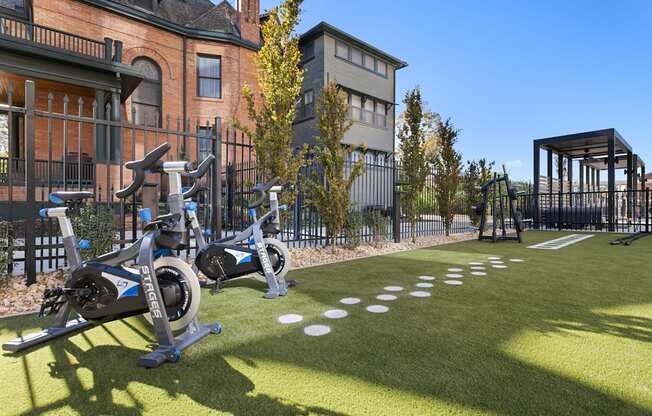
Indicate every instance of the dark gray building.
{"type": "Point", "coordinates": [364, 72]}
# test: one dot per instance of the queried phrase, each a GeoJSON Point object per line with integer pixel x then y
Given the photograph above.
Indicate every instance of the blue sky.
{"type": "Point", "coordinates": [507, 72]}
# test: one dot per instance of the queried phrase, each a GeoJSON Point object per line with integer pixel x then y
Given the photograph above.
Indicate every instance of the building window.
{"type": "Point", "coordinates": [307, 51]}
{"type": "Point", "coordinates": [355, 101]}
{"type": "Point", "coordinates": [209, 76]}
{"type": "Point", "coordinates": [146, 100]}
{"type": "Point", "coordinates": [204, 143]}
{"type": "Point", "coordinates": [368, 110]}
{"type": "Point", "coordinates": [357, 57]}
{"type": "Point", "coordinates": [380, 118]}
{"type": "Point", "coordinates": [342, 50]}
{"type": "Point", "coordinates": [306, 106]}
{"type": "Point", "coordinates": [370, 62]}
{"type": "Point", "coordinates": [381, 67]}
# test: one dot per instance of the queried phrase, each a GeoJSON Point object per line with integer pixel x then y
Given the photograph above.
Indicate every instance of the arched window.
{"type": "Point", "coordinates": [147, 98]}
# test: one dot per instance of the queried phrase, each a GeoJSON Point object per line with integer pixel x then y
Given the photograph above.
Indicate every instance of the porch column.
{"type": "Point", "coordinates": [535, 183]}
{"type": "Point", "coordinates": [581, 182]}
{"type": "Point", "coordinates": [630, 170]}
{"type": "Point", "coordinates": [643, 177]}
{"type": "Point", "coordinates": [611, 182]}
{"type": "Point", "coordinates": [549, 172]}
{"type": "Point", "coordinates": [100, 137]}
{"type": "Point", "coordinates": [570, 181]}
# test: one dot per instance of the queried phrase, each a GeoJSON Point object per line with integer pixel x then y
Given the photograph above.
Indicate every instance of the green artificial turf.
{"type": "Point", "coordinates": [568, 332]}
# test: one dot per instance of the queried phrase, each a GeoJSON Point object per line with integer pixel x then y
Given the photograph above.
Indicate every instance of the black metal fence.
{"type": "Point", "coordinates": [52, 150]}
{"type": "Point", "coordinates": [588, 211]}
{"type": "Point", "coordinates": [67, 150]}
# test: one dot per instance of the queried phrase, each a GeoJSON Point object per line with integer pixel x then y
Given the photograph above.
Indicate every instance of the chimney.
{"type": "Point", "coordinates": [249, 19]}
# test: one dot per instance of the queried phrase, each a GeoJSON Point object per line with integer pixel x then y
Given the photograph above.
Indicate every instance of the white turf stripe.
{"type": "Point", "coordinates": [562, 242]}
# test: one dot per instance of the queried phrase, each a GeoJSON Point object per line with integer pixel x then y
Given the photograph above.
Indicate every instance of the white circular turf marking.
{"type": "Point", "coordinates": [386, 297]}
{"type": "Point", "coordinates": [377, 308]}
{"type": "Point", "coordinates": [453, 282]}
{"type": "Point", "coordinates": [393, 288]}
{"type": "Point", "coordinates": [420, 294]}
{"type": "Point", "coordinates": [291, 318]}
{"type": "Point", "coordinates": [455, 270]}
{"type": "Point", "coordinates": [427, 277]}
{"type": "Point", "coordinates": [478, 273]}
{"type": "Point", "coordinates": [493, 258]}
{"type": "Point", "coordinates": [499, 266]}
{"type": "Point", "coordinates": [476, 263]}
{"type": "Point", "coordinates": [425, 285]}
{"type": "Point", "coordinates": [316, 330]}
{"type": "Point", "coordinates": [516, 260]}
{"type": "Point", "coordinates": [350, 301]}
{"type": "Point", "coordinates": [336, 314]}
{"type": "Point", "coordinates": [455, 276]}
{"type": "Point", "coordinates": [477, 268]}
{"type": "Point", "coordinates": [497, 262]}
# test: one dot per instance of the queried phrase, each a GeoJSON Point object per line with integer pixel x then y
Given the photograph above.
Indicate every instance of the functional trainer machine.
{"type": "Point", "coordinates": [493, 193]}
{"type": "Point", "coordinates": [143, 278]}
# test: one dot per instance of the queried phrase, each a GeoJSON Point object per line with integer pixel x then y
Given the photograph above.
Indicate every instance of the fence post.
{"type": "Point", "coordinates": [216, 195]}
{"type": "Point", "coordinates": [396, 214]}
{"type": "Point", "coordinates": [30, 214]}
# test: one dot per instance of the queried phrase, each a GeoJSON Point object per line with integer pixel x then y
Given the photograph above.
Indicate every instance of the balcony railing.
{"type": "Point", "coordinates": [46, 37]}
{"type": "Point", "coordinates": [55, 172]}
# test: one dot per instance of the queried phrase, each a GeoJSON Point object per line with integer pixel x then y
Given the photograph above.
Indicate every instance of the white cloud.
{"type": "Point", "coordinates": [513, 164]}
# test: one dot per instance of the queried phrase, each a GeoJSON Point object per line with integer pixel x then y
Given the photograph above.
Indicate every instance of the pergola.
{"type": "Point", "coordinates": [596, 151]}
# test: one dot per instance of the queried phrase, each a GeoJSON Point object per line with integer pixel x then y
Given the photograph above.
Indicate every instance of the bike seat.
{"type": "Point", "coordinates": [164, 221]}
{"type": "Point", "coordinates": [63, 197]}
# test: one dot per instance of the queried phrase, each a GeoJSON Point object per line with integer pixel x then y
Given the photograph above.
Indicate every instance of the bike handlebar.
{"type": "Point", "coordinates": [261, 191]}
{"type": "Point", "coordinates": [141, 167]}
{"type": "Point", "coordinates": [197, 174]}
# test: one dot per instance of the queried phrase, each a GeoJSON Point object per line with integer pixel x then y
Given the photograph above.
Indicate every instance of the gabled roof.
{"type": "Point", "coordinates": [324, 27]}
{"type": "Point", "coordinates": [199, 19]}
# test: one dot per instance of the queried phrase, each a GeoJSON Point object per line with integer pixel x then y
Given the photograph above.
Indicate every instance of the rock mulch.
{"type": "Point", "coordinates": [307, 257]}
{"type": "Point", "coordinates": [16, 298]}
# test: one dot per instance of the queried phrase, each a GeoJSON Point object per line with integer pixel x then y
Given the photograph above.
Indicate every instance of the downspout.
{"type": "Point", "coordinates": [185, 99]}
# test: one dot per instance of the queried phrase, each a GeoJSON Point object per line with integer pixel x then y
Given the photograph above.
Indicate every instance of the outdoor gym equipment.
{"type": "Point", "coordinates": [496, 189]}
{"type": "Point", "coordinates": [143, 278]}
{"type": "Point", "coordinates": [254, 250]}
{"type": "Point", "coordinates": [629, 239]}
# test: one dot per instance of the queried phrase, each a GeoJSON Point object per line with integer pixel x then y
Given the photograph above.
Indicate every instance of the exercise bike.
{"type": "Point", "coordinates": [143, 278]}
{"type": "Point", "coordinates": [254, 250]}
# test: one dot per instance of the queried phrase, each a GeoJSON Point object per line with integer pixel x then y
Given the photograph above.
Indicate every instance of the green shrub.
{"type": "Point", "coordinates": [95, 224]}
{"type": "Point", "coordinates": [378, 224]}
{"type": "Point", "coordinates": [353, 228]}
{"type": "Point", "coordinates": [6, 248]}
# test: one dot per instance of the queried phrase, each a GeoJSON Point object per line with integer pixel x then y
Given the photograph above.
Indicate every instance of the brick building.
{"type": "Point", "coordinates": [147, 59]}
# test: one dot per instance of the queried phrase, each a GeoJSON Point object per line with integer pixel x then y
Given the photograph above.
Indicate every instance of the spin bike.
{"type": "Point", "coordinates": [139, 279]}
{"type": "Point", "coordinates": [254, 250]}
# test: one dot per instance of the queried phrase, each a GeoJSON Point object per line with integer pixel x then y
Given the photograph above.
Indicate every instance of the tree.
{"type": "Point", "coordinates": [280, 78]}
{"type": "Point", "coordinates": [413, 156]}
{"type": "Point", "coordinates": [447, 166]}
{"type": "Point", "coordinates": [477, 173]}
{"type": "Point", "coordinates": [330, 193]}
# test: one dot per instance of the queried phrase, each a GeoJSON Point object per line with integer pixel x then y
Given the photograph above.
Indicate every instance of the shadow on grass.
{"type": "Point", "coordinates": [450, 350]}
{"type": "Point", "coordinates": [211, 383]}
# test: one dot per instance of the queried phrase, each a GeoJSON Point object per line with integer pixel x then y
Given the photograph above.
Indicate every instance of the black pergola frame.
{"type": "Point", "coordinates": [597, 150]}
